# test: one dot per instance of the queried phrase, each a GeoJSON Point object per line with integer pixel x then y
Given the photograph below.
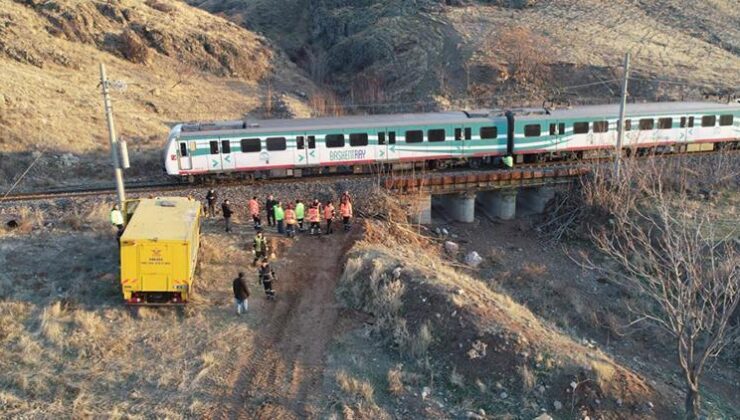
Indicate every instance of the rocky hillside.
{"type": "Point", "coordinates": [502, 52]}
{"type": "Point", "coordinates": [177, 62]}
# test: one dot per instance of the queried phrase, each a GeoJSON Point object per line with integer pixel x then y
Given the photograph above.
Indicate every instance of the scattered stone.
{"type": "Point", "coordinates": [438, 231]}
{"type": "Point", "coordinates": [451, 247]}
{"type": "Point", "coordinates": [68, 159]}
{"type": "Point", "coordinates": [397, 273]}
{"type": "Point", "coordinates": [479, 350]}
{"type": "Point", "coordinates": [445, 232]}
{"type": "Point", "coordinates": [482, 412]}
{"type": "Point", "coordinates": [557, 405]}
{"type": "Point", "coordinates": [619, 402]}
{"type": "Point", "coordinates": [541, 389]}
{"type": "Point", "coordinates": [573, 385]}
{"type": "Point", "coordinates": [543, 416]}
{"type": "Point", "coordinates": [473, 259]}
{"type": "Point", "coordinates": [650, 405]}
{"type": "Point", "coordinates": [475, 416]}
{"type": "Point", "coordinates": [504, 395]}
{"type": "Point", "coordinates": [425, 392]}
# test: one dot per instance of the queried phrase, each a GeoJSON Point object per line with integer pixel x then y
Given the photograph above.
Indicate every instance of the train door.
{"type": "Point", "coordinates": [312, 153]}
{"type": "Point", "coordinates": [461, 141]}
{"type": "Point", "coordinates": [185, 160]}
{"type": "Point", "coordinates": [557, 133]}
{"type": "Point", "coordinates": [228, 160]}
{"type": "Point", "coordinates": [381, 149]}
{"type": "Point", "coordinates": [214, 156]}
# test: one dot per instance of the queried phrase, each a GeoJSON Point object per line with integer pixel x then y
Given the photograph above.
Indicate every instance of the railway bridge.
{"type": "Point", "coordinates": [498, 193]}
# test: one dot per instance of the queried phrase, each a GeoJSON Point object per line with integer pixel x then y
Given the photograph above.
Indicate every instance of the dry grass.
{"type": "Point", "coordinates": [533, 270]}
{"type": "Point", "coordinates": [395, 381]}
{"type": "Point", "coordinates": [527, 377]}
{"type": "Point", "coordinates": [69, 349]}
{"type": "Point", "coordinates": [355, 388]}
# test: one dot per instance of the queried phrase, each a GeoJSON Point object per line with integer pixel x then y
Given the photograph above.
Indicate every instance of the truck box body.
{"type": "Point", "coordinates": [159, 250]}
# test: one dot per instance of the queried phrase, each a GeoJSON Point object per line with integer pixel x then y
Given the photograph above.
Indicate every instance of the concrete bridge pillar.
{"type": "Point", "coordinates": [462, 207]}
{"type": "Point", "coordinates": [420, 208]}
{"type": "Point", "coordinates": [501, 204]}
{"type": "Point", "coordinates": [535, 199]}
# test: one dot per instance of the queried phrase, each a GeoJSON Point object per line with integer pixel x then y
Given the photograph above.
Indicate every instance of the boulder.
{"type": "Point", "coordinates": [452, 248]}
{"type": "Point", "coordinates": [473, 259]}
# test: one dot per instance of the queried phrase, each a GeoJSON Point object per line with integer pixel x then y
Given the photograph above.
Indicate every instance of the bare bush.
{"type": "Point", "coordinates": [158, 5]}
{"type": "Point", "coordinates": [395, 381]}
{"type": "Point", "coordinates": [326, 105]}
{"type": "Point", "coordinates": [132, 47]}
{"type": "Point", "coordinates": [668, 250]}
{"type": "Point", "coordinates": [516, 54]}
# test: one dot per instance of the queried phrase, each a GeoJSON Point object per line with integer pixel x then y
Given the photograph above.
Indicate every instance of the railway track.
{"type": "Point", "coordinates": [144, 187]}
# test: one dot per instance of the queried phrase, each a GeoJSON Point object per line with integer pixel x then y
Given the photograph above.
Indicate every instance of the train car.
{"type": "Point", "coordinates": [592, 131]}
{"type": "Point", "coordinates": [159, 251]}
{"type": "Point", "coordinates": [300, 146]}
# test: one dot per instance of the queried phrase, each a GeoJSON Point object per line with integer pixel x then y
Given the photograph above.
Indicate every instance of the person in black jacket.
{"type": "Point", "coordinates": [269, 204]}
{"type": "Point", "coordinates": [241, 294]}
{"type": "Point", "coordinates": [267, 276]}
{"type": "Point", "coordinates": [211, 198]}
{"type": "Point", "coordinates": [226, 209]}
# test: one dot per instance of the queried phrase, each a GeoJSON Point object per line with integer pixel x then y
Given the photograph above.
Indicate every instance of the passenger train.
{"type": "Point", "coordinates": [295, 147]}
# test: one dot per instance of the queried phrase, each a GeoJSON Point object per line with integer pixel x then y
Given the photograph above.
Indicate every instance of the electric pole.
{"type": "Point", "coordinates": [622, 106]}
{"type": "Point", "coordinates": [113, 140]}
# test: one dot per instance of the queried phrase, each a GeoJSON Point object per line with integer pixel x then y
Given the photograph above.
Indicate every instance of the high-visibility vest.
{"type": "Point", "coordinates": [508, 161]}
{"type": "Point", "coordinates": [329, 212]}
{"type": "Point", "coordinates": [299, 210]}
{"type": "Point", "coordinates": [260, 244]}
{"type": "Point", "coordinates": [345, 209]}
{"type": "Point", "coordinates": [116, 218]}
{"type": "Point", "coordinates": [290, 217]}
{"type": "Point", "coordinates": [254, 207]}
{"type": "Point", "coordinates": [279, 213]}
{"type": "Point", "coordinates": [313, 214]}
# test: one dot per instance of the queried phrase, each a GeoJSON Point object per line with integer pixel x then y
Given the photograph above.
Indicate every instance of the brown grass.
{"type": "Point", "coordinates": [132, 48]}
{"type": "Point", "coordinates": [533, 270]}
{"type": "Point", "coordinates": [395, 381]}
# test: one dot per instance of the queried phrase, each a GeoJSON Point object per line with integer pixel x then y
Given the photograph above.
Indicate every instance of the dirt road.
{"type": "Point", "coordinates": [281, 376]}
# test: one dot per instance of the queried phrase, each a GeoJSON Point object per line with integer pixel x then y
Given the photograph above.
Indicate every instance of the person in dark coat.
{"type": "Point", "coordinates": [211, 198]}
{"type": "Point", "coordinates": [267, 276]}
{"type": "Point", "coordinates": [227, 212]}
{"type": "Point", "coordinates": [241, 294]}
{"type": "Point", "coordinates": [269, 204]}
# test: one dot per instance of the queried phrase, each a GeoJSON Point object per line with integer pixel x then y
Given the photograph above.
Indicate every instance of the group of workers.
{"type": "Point", "coordinates": [288, 218]}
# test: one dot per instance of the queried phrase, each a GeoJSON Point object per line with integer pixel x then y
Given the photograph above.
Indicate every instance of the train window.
{"type": "Point", "coordinates": [601, 126]}
{"type": "Point", "coordinates": [300, 142]}
{"type": "Point", "coordinates": [708, 121]}
{"type": "Point", "coordinates": [183, 150]}
{"type": "Point", "coordinates": [647, 124]}
{"type": "Point", "coordinates": [580, 128]}
{"type": "Point", "coordinates": [381, 137]}
{"type": "Point", "coordinates": [627, 125]}
{"type": "Point", "coordinates": [414, 136]}
{"type": "Point", "coordinates": [436, 135]}
{"type": "Point", "coordinates": [458, 134]}
{"type": "Point", "coordinates": [276, 143]}
{"type": "Point", "coordinates": [665, 123]}
{"type": "Point", "coordinates": [250, 145]}
{"type": "Point", "coordinates": [391, 137]}
{"type": "Point", "coordinates": [488, 132]}
{"type": "Point", "coordinates": [311, 142]}
{"type": "Point", "coordinates": [225, 146]}
{"type": "Point", "coordinates": [683, 122]}
{"type": "Point", "coordinates": [334, 140]}
{"type": "Point", "coordinates": [691, 122]}
{"type": "Point", "coordinates": [358, 139]}
{"type": "Point", "coordinates": [214, 147]}
{"type": "Point", "coordinates": [561, 128]}
{"type": "Point", "coordinates": [468, 133]}
{"type": "Point", "coordinates": [553, 129]}
{"type": "Point", "coordinates": [532, 130]}
{"type": "Point", "coordinates": [725, 120]}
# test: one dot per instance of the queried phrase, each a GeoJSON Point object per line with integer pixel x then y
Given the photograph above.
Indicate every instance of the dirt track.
{"type": "Point", "coordinates": [280, 377]}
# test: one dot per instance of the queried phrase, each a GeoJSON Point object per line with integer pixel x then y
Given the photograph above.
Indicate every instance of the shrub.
{"type": "Point", "coordinates": [132, 47]}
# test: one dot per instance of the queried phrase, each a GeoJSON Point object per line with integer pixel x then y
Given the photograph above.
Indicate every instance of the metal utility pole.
{"type": "Point", "coordinates": [113, 140]}
{"type": "Point", "coordinates": [622, 106]}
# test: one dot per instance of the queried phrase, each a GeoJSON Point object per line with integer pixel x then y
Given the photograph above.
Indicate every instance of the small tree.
{"type": "Point", "coordinates": [668, 251]}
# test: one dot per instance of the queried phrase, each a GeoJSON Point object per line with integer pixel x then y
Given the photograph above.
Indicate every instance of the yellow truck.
{"type": "Point", "coordinates": [159, 250]}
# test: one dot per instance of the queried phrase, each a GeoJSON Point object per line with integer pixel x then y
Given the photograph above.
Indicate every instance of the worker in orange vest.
{"type": "Point", "coordinates": [290, 221]}
{"type": "Point", "coordinates": [329, 214]}
{"type": "Point", "coordinates": [254, 210]}
{"type": "Point", "coordinates": [314, 218]}
{"type": "Point", "coordinates": [345, 209]}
